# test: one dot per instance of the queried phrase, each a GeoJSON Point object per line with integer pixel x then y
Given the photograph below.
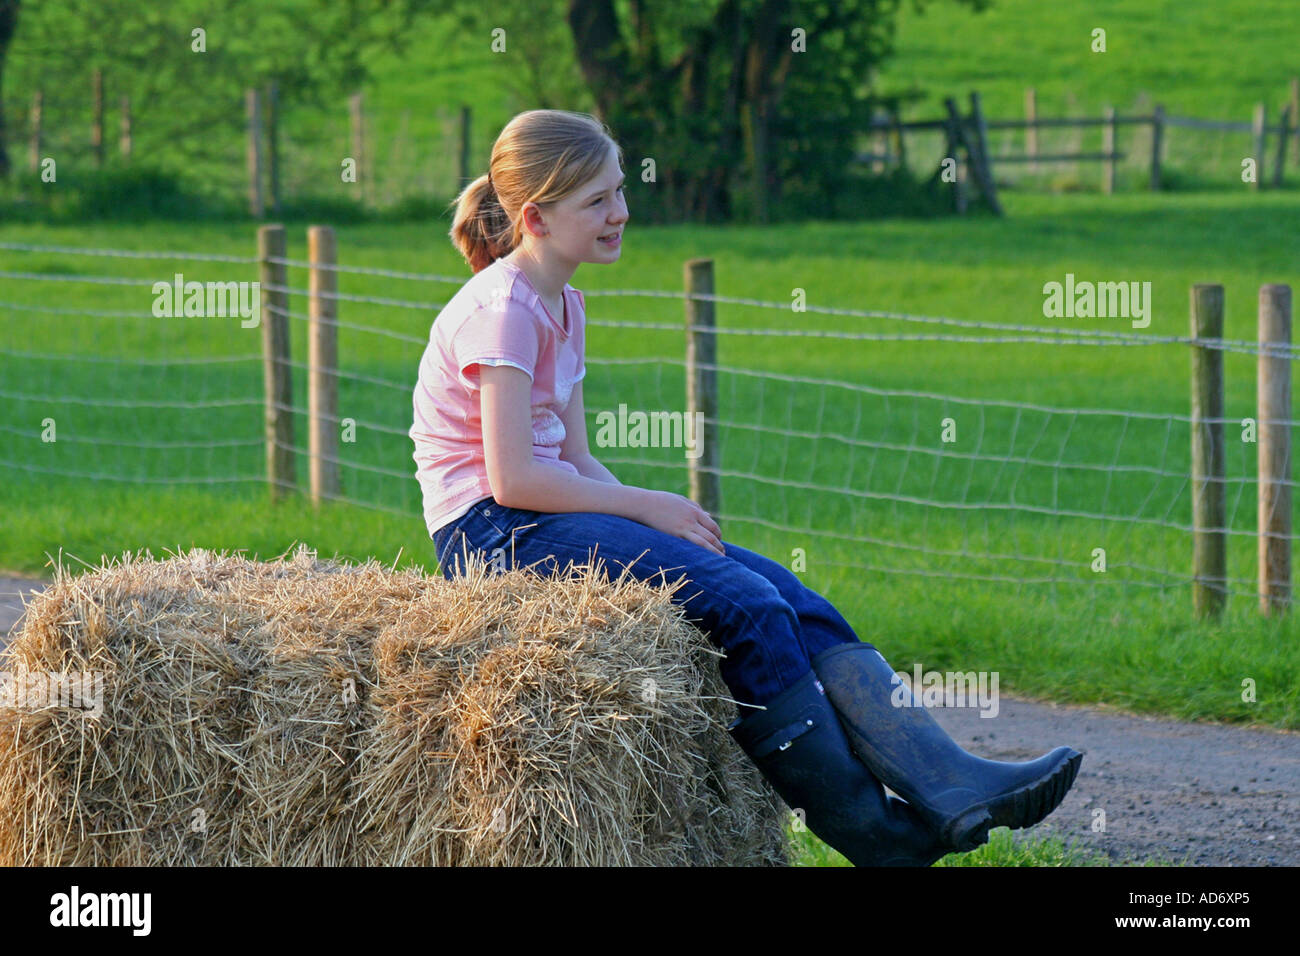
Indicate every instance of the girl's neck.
{"type": "Point", "coordinates": [549, 281]}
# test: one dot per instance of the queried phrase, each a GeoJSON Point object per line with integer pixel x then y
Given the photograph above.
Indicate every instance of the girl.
{"type": "Point", "coordinates": [503, 462]}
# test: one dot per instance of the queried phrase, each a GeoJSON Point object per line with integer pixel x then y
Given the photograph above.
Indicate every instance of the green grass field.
{"type": "Point", "coordinates": [1006, 588]}
{"type": "Point", "coordinates": [1201, 59]}
{"type": "Point", "coordinates": [1211, 61]}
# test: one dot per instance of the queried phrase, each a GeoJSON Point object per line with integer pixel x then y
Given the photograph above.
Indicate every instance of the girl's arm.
{"type": "Point", "coordinates": [588, 466]}
{"type": "Point", "coordinates": [517, 480]}
{"type": "Point", "coordinates": [574, 449]}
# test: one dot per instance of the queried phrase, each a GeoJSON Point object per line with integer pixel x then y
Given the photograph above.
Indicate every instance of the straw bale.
{"type": "Point", "coordinates": [308, 712]}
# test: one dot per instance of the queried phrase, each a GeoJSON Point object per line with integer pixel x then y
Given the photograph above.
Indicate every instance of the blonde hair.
{"type": "Point", "coordinates": [541, 156]}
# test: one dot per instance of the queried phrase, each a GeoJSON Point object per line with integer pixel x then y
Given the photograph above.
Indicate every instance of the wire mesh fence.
{"type": "Point", "coordinates": [350, 150]}
{"type": "Point", "coordinates": [1193, 152]}
{"type": "Point", "coordinates": [1080, 501]}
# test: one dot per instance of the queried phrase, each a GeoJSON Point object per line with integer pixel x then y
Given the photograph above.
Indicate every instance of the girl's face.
{"type": "Point", "coordinates": [575, 224]}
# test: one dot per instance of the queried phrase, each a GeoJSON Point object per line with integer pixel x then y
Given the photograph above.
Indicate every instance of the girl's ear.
{"type": "Point", "coordinates": [526, 216]}
{"type": "Point", "coordinates": [532, 216]}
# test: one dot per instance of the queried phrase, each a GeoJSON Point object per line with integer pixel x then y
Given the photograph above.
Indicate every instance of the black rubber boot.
{"type": "Point", "coordinates": [800, 747]}
{"type": "Point", "coordinates": [960, 796]}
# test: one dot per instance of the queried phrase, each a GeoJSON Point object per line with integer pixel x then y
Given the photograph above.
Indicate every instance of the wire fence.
{"type": "Point", "coordinates": [301, 146]}
{"type": "Point", "coordinates": [913, 482]}
{"type": "Point", "coordinates": [419, 156]}
{"type": "Point", "coordinates": [1071, 149]}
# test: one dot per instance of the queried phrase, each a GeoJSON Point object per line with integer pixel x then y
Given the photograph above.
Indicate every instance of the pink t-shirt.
{"type": "Point", "coordinates": [497, 318]}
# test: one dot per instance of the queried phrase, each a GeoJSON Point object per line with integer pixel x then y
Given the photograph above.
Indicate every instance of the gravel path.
{"type": "Point", "coordinates": [11, 605]}
{"type": "Point", "coordinates": [1199, 793]}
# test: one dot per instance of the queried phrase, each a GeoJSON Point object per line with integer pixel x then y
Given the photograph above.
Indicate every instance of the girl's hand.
{"type": "Point", "coordinates": [680, 516]}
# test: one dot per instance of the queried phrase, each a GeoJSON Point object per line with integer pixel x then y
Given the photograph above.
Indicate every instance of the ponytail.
{"type": "Point", "coordinates": [482, 230]}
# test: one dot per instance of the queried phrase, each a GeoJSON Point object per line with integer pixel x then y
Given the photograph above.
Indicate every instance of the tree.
{"type": "Point", "coordinates": [738, 98]}
{"type": "Point", "coordinates": [8, 24]}
{"type": "Point", "coordinates": [315, 50]}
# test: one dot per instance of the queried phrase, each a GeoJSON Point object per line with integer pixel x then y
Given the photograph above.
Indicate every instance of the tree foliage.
{"type": "Point", "coordinates": [8, 24]}
{"type": "Point", "coordinates": [746, 107]}
{"type": "Point", "coordinates": [314, 50]}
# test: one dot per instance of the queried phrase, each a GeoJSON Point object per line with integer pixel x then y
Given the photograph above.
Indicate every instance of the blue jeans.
{"type": "Point", "coordinates": [768, 623]}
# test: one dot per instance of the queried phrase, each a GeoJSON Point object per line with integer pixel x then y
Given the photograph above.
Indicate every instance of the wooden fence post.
{"type": "Point", "coordinates": [273, 143]}
{"type": "Point", "coordinates": [1257, 137]}
{"type": "Point", "coordinates": [985, 165]}
{"type": "Point", "coordinates": [702, 385]}
{"type": "Point", "coordinates": [323, 362]}
{"type": "Point", "coordinates": [974, 143]}
{"type": "Point", "coordinates": [253, 108]}
{"type": "Point", "coordinates": [124, 142]}
{"type": "Point", "coordinates": [1295, 114]}
{"type": "Point", "coordinates": [1209, 548]}
{"type": "Point", "coordinates": [1031, 130]}
{"type": "Point", "coordinates": [464, 172]}
{"type": "Point", "coordinates": [357, 122]}
{"type": "Point", "coordinates": [34, 146]}
{"type": "Point", "coordinates": [1279, 163]}
{"type": "Point", "coordinates": [754, 129]}
{"type": "Point", "coordinates": [1157, 142]}
{"type": "Point", "coordinates": [97, 117]}
{"type": "Point", "coordinates": [1274, 397]}
{"type": "Point", "coordinates": [952, 127]}
{"type": "Point", "coordinates": [400, 186]}
{"type": "Point", "coordinates": [1109, 138]}
{"type": "Point", "coordinates": [897, 145]}
{"type": "Point", "coordinates": [277, 374]}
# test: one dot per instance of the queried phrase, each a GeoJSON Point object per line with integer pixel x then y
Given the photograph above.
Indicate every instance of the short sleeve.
{"type": "Point", "coordinates": [492, 361]}
{"type": "Point", "coordinates": [581, 338]}
{"type": "Point", "coordinates": [492, 336]}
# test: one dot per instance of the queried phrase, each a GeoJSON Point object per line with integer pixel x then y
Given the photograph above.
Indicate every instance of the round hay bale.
{"type": "Point", "coordinates": [303, 712]}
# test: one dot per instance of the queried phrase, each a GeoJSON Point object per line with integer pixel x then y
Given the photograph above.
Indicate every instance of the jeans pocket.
{"type": "Point", "coordinates": [502, 520]}
{"type": "Point", "coordinates": [485, 528]}
{"type": "Point", "coordinates": [448, 538]}
{"type": "Point", "coordinates": [443, 539]}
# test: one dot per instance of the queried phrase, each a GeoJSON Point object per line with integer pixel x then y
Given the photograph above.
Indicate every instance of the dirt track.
{"type": "Point", "coordinates": [1204, 794]}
